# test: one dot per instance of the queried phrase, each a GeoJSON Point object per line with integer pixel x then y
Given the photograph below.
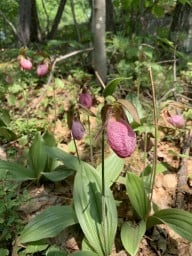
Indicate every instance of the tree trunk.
{"type": "Point", "coordinates": [28, 22]}
{"type": "Point", "coordinates": [181, 27]}
{"type": "Point", "coordinates": [57, 19]}
{"type": "Point", "coordinates": [35, 33]}
{"type": "Point", "coordinates": [25, 21]}
{"type": "Point", "coordinates": [98, 29]}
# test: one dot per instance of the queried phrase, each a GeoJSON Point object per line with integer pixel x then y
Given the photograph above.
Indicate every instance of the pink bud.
{"type": "Point", "coordinates": [85, 99]}
{"type": "Point", "coordinates": [42, 69]}
{"type": "Point", "coordinates": [77, 130]}
{"type": "Point", "coordinates": [25, 64]}
{"type": "Point", "coordinates": [177, 120]}
{"type": "Point", "coordinates": [121, 137]}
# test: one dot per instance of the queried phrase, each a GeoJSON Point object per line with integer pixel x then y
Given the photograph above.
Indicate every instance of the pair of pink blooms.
{"type": "Point", "coordinates": [121, 137]}
{"type": "Point", "coordinates": [26, 64]}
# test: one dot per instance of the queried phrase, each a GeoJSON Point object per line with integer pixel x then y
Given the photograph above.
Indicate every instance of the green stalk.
{"type": "Point", "coordinates": [76, 149]}
{"type": "Point", "coordinates": [90, 139]}
{"type": "Point", "coordinates": [154, 167]}
{"type": "Point", "coordinates": [103, 189]}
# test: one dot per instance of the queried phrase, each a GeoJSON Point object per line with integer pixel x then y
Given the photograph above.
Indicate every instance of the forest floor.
{"type": "Point", "coordinates": [169, 191]}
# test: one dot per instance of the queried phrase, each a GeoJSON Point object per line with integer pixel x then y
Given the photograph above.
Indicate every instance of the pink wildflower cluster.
{"type": "Point", "coordinates": [26, 64]}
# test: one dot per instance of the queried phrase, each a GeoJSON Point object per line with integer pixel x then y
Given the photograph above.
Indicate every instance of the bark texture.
{"type": "Point", "coordinates": [29, 30]}
{"type": "Point", "coordinates": [181, 27]}
{"type": "Point", "coordinates": [98, 29]}
{"type": "Point", "coordinates": [25, 20]}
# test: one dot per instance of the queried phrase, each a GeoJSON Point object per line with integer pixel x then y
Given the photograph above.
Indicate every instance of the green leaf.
{"type": "Point", "coordinates": [49, 223]}
{"type": "Point", "coordinates": [38, 247]}
{"type": "Point", "coordinates": [84, 253]}
{"type": "Point", "coordinates": [49, 140]}
{"type": "Point", "coordinates": [137, 195]}
{"type": "Point", "coordinates": [4, 252]}
{"type": "Point", "coordinates": [158, 10]}
{"type": "Point", "coordinates": [146, 175]}
{"type": "Point", "coordinates": [130, 108]}
{"type": "Point", "coordinates": [56, 251]}
{"type": "Point", "coordinates": [131, 235]}
{"type": "Point", "coordinates": [136, 102]}
{"type": "Point", "coordinates": [185, 2]}
{"type": "Point", "coordinates": [7, 134]}
{"type": "Point", "coordinates": [111, 86]}
{"type": "Point", "coordinates": [59, 83]}
{"type": "Point", "coordinates": [70, 161]}
{"type": "Point", "coordinates": [60, 173]}
{"type": "Point", "coordinates": [5, 117]}
{"type": "Point", "coordinates": [161, 168]}
{"type": "Point", "coordinates": [88, 207]}
{"type": "Point", "coordinates": [15, 171]}
{"type": "Point", "coordinates": [38, 155]}
{"type": "Point", "coordinates": [113, 167]}
{"type": "Point", "coordinates": [177, 219]}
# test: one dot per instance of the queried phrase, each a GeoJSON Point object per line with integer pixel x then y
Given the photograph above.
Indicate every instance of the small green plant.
{"type": "Point", "coordinates": [10, 222]}
{"type": "Point", "coordinates": [6, 132]}
{"type": "Point", "coordinates": [39, 163]}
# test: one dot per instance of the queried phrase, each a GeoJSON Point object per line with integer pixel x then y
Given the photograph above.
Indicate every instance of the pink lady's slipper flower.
{"type": "Point", "coordinates": [25, 63]}
{"type": "Point", "coordinates": [42, 69]}
{"type": "Point", "coordinates": [85, 99]}
{"type": "Point", "coordinates": [121, 137]}
{"type": "Point", "coordinates": [177, 120]}
{"type": "Point", "coordinates": [77, 130]}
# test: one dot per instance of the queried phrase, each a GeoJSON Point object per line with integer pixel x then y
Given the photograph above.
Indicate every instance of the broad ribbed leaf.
{"type": "Point", "coordinates": [70, 161]}
{"type": "Point", "coordinates": [177, 219]}
{"type": "Point", "coordinates": [38, 155]}
{"type": "Point", "coordinates": [60, 173]}
{"type": "Point", "coordinates": [10, 170]}
{"type": "Point", "coordinates": [49, 140]}
{"type": "Point", "coordinates": [56, 251]}
{"type": "Point", "coordinates": [34, 248]}
{"type": "Point", "coordinates": [131, 235]}
{"type": "Point", "coordinates": [113, 167]}
{"type": "Point", "coordinates": [84, 253]}
{"type": "Point", "coordinates": [48, 223]}
{"type": "Point", "coordinates": [137, 194]}
{"type": "Point", "coordinates": [88, 207]}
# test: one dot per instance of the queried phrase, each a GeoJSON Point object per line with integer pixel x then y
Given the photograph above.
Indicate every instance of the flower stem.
{"type": "Point", "coordinates": [154, 168]}
{"type": "Point", "coordinates": [103, 190]}
{"type": "Point", "coordinates": [76, 149]}
{"type": "Point", "coordinates": [90, 139]}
